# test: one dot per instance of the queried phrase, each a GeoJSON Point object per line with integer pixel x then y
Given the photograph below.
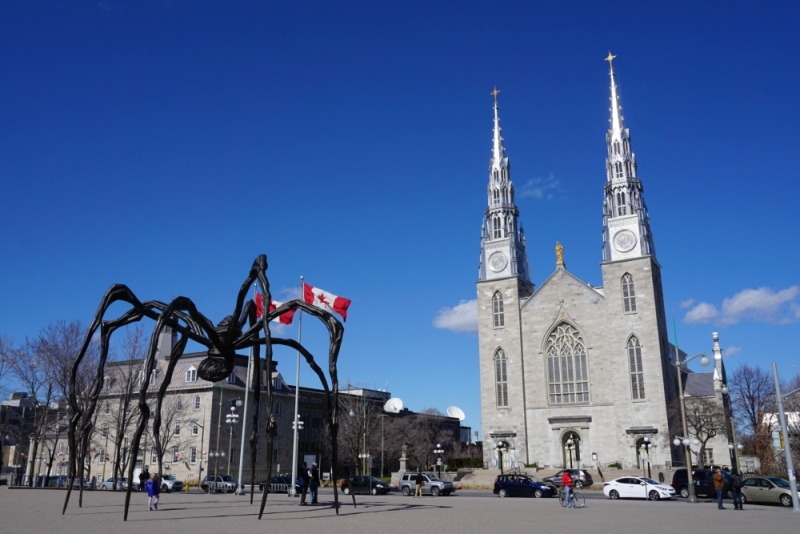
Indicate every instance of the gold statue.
{"type": "Point", "coordinates": [559, 254]}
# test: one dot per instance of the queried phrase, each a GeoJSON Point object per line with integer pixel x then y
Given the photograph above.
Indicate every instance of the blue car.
{"type": "Point", "coordinates": [522, 486]}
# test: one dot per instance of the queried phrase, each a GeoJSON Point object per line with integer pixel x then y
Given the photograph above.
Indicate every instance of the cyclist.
{"type": "Point", "coordinates": [566, 480]}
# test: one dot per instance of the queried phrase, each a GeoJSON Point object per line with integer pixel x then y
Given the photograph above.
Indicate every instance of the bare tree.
{"type": "Point", "coordinates": [705, 419]}
{"type": "Point", "coordinates": [173, 433]}
{"type": "Point", "coordinates": [752, 394]}
{"type": "Point", "coordinates": [118, 409]}
{"type": "Point", "coordinates": [419, 433]}
{"type": "Point", "coordinates": [6, 356]}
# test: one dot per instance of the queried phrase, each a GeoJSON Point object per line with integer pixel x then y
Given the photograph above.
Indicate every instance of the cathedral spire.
{"type": "Point", "coordinates": [503, 241]}
{"type": "Point", "coordinates": [499, 159]}
{"type": "Point", "coordinates": [624, 195]}
{"type": "Point", "coordinates": [617, 121]}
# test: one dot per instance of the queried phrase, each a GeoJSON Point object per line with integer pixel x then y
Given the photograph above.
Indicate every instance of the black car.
{"type": "Point", "coordinates": [522, 486]}
{"type": "Point", "coordinates": [580, 478]}
{"type": "Point", "coordinates": [365, 484]}
{"type": "Point", "coordinates": [703, 482]}
{"type": "Point", "coordinates": [279, 484]}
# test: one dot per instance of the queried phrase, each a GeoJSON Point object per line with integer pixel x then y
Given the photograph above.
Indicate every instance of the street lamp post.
{"type": "Point", "coordinates": [231, 419]}
{"type": "Point", "coordinates": [570, 447]}
{"type": "Point", "coordinates": [217, 455]}
{"type": "Point", "coordinates": [500, 448]}
{"type": "Point", "coordinates": [646, 447]}
{"type": "Point", "coordinates": [438, 450]}
{"type": "Point", "coordinates": [685, 440]}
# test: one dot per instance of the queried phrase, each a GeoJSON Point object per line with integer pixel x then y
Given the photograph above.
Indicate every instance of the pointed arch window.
{"type": "Point", "coordinates": [628, 294]}
{"type": "Point", "coordinates": [501, 378]}
{"type": "Point", "coordinates": [497, 310]}
{"type": "Point", "coordinates": [497, 229]}
{"type": "Point", "coordinates": [567, 373]}
{"type": "Point", "coordinates": [634, 350]}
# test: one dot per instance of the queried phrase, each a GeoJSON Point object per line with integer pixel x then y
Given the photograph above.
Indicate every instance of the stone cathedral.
{"type": "Point", "coordinates": [573, 374]}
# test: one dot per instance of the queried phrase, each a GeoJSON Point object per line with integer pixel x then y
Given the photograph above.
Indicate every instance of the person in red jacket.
{"type": "Point", "coordinates": [566, 479]}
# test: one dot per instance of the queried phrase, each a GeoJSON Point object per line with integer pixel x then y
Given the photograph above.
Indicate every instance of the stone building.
{"type": "Point", "coordinates": [570, 373]}
{"type": "Point", "coordinates": [194, 417]}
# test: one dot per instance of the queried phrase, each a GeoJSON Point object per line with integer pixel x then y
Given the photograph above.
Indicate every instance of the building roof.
{"type": "Point", "coordinates": [699, 385]}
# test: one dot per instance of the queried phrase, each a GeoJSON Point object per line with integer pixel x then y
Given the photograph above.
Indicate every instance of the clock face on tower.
{"type": "Point", "coordinates": [624, 241]}
{"type": "Point", "coordinates": [498, 262]}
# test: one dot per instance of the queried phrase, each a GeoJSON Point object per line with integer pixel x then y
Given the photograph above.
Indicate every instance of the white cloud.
{"type": "Point", "coordinates": [540, 188]}
{"type": "Point", "coordinates": [287, 293]}
{"type": "Point", "coordinates": [687, 303]}
{"type": "Point", "coordinates": [702, 313]}
{"type": "Point", "coordinates": [463, 317]}
{"type": "Point", "coordinates": [731, 351]}
{"type": "Point", "coordinates": [762, 305]}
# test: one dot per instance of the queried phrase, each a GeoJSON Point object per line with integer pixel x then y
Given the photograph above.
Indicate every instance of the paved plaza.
{"type": "Point", "coordinates": [25, 511]}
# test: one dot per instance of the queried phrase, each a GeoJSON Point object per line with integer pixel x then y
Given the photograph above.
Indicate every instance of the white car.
{"type": "Point", "coordinates": [637, 488]}
{"type": "Point", "coordinates": [122, 483]}
{"type": "Point", "coordinates": [170, 483]}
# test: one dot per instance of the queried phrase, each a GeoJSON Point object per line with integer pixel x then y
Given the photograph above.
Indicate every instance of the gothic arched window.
{"type": "Point", "coordinates": [628, 294]}
{"type": "Point", "coordinates": [567, 374]}
{"type": "Point", "coordinates": [634, 350]}
{"type": "Point", "coordinates": [497, 310]}
{"type": "Point", "coordinates": [197, 402]}
{"type": "Point", "coordinates": [497, 234]}
{"type": "Point", "coordinates": [501, 378]}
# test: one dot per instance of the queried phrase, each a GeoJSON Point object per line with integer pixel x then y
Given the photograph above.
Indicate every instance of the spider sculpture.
{"type": "Point", "coordinates": [238, 331]}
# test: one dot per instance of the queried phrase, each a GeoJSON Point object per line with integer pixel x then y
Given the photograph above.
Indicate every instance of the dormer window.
{"type": "Point", "coordinates": [106, 382]}
{"type": "Point", "coordinates": [232, 377]}
{"type": "Point", "coordinates": [191, 375]}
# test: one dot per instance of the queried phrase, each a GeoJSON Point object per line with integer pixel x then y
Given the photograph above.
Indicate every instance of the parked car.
{"type": "Point", "coordinates": [279, 484]}
{"type": "Point", "coordinates": [703, 482]}
{"type": "Point", "coordinates": [580, 478]}
{"type": "Point", "coordinates": [767, 489]}
{"type": "Point", "coordinates": [637, 488]}
{"type": "Point", "coordinates": [76, 484]}
{"type": "Point", "coordinates": [522, 486]}
{"type": "Point", "coordinates": [432, 485]}
{"type": "Point", "coordinates": [171, 483]}
{"type": "Point", "coordinates": [224, 483]}
{"type": "Point", "coordinates": [365, 484]}
{"type": "Point", "coordinates": [122, 483]}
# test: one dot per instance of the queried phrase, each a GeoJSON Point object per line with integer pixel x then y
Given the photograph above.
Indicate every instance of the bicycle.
{"type": "Point", "coordinates": [576, 499]}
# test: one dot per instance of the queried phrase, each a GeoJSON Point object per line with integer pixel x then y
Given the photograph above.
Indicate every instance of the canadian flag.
{"type": "Point", "coordinates": [327, 301]}
{"type": "Point", "coordinates": [284, 318]}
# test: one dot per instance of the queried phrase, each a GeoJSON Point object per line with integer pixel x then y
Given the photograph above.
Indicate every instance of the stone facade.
{"type": "Point", "coordinates": [574, 375]}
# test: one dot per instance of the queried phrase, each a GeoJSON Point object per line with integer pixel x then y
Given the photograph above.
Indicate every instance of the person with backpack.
{"type": "Point", "coordinates": [737, 483]}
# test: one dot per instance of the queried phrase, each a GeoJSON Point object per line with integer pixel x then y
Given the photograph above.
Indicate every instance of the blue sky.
{"type": "Point", "coordinates": [166, 144]}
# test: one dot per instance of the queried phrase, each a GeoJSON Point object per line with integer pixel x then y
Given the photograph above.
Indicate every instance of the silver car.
{"type": "Point", "coordinates": [433, 485]}
{"type": "Point", "coordinates": [122, 483]}
{"type": "Point", "coordinates": [767, 489]}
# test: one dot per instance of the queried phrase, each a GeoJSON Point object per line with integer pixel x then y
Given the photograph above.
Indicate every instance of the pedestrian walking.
{"type": "Point", "coordinates": [314, 483]}
{"type": "Point", "coordinates": [719, 487]}
{"type": "Point", "coordinates": [144, 476]}
{"type": "Point", "coordinates": [153, 487]}
{"type": "Point", "coordinates": [737, 482]}
{"type": "Point", "coordinates": [420, 482]}
{"type": "Point", "coordinates": [303, 480]}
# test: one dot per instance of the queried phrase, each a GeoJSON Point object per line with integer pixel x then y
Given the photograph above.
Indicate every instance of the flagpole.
{"type": "Point", "coordinates": [297, 395]}
{"type": "Point", "coordinates": [240, 485]}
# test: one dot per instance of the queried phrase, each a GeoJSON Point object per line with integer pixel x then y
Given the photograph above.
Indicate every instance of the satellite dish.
{"type": "Point", "coordinates": [393, 405]}
{"type": "Point", "coordinates": [455, 411]}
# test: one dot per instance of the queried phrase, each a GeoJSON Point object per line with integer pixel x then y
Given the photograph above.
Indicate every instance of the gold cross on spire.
{"type": "Point", "coordinates": [495, 93]}
{"type": "Point", "coordinates": [610, 58]}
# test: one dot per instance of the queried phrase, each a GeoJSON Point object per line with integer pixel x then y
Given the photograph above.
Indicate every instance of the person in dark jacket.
{"type": "Point", "coordinates": [302, 480]}
{"type": "Point", "coordinates": [144, 476]}
{"type": "Point", "coordinates": [314, 484]}
{"type": "Point", "coordinates": [420, 483]}
{"type": "Point", "coordinates": [736, 482]}
{"type": "Point", "coordinates": [153, 487]}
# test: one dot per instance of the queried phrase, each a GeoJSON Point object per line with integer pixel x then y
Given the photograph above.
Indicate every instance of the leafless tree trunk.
{"type": "Point", "coordinates": [705, 419]}
{"type": "Point", "coordinates": [752, 394]}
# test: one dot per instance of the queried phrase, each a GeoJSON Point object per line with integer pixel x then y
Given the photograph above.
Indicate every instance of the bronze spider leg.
{"type": "Point", "coordinates": [179, 304]}
{"type": "Point", "coordinates": [336, 331]}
